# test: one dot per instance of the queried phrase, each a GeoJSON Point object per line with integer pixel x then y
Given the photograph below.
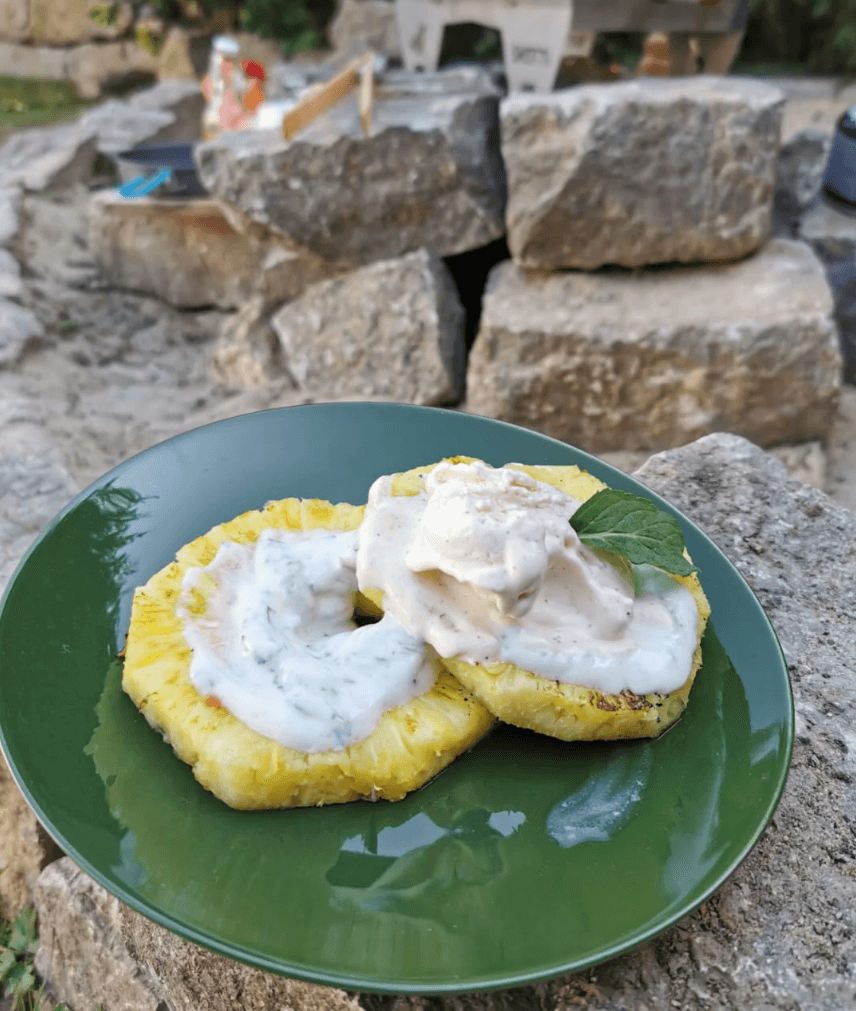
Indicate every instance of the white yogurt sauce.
{"type": "Point", "coordinates": [484, 565]}
{"type": "Point", "coordinates": [276, 645]}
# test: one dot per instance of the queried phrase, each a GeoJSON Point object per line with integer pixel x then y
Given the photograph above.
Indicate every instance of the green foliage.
{"type": "Point", "coordinates": [28, 101]}
{"type": "Point", "coordinates": [819, 35]}
{"type": "Point", "coordinates": [105, 14]}
{"type": "Point", "coordinates": [18, 944]}
{"type": "Point", "coordinates": [297, 24]}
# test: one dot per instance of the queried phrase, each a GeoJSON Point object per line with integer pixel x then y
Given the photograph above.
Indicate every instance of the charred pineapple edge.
{"type": "Point", "coordinates": [568, 712]}
{"type": "Point", "coordinates": [247, 771]}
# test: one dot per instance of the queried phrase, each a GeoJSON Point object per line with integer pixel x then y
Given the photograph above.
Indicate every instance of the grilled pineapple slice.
{"type": "Point", "coordinates": [569, 712]}
{"type": "Point", "coordinates": [411, 743]}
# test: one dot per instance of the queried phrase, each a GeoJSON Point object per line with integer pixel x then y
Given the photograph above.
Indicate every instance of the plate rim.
{"type": "Point", "coordinates": [365, 983]}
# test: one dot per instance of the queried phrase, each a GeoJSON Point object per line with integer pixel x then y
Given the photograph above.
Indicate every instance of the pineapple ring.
{"type": "Point", "coordinates": [568, 712]}
{"type": "Point", "coordinates": [409, 746]}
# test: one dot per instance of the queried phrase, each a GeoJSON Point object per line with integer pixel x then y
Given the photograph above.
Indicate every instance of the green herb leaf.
{"type": "Point", "coordinates": [23, 938]}
{"type": "Point", "coordinates": [625, 524]}
{"type": "Point", "coordinates": [7, 962]}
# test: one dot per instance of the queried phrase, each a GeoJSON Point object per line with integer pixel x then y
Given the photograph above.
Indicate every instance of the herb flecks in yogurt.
{"type": "Point", "coordinates": [276, 645]}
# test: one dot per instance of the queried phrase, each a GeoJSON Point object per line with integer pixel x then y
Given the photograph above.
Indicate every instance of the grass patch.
{"type": "Point", "coordinates": [18, 944]}
{"type": "Point", "coordinates": [31, 101]}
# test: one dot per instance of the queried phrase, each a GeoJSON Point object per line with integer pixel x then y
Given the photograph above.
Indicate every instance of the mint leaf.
{"type": "Point", "coordinates": [634, 527]}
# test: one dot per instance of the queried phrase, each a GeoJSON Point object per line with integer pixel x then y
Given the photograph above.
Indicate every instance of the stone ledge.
{"type": "Point", "coordinates": [620, 360]}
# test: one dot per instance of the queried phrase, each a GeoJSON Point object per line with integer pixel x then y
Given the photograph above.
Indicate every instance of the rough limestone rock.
{"type": "Point", "coordinates": [831, 232]}
{"type": "Point", "coordinates": [94, 64]}
{"type": "Point", "coordinates": [82, 958]}
{"type": "Point", "coordinates": [393, 329]}
{"type": "Point", "coordinates": [64, 22]}
{"type": "Point", "coordinates": [48, 157]}
{"type": "Point", "coordinates": [88, 66]}
{"type": "Point", "coordinates": [187, 253]}
{"type": "Point", "coordinates": [14, 19]}
{"type": "Point", "coordinates": [639, 172]}
{"type": "Point", "coordinates": [95, 951]}
{"type": "Point", "coordinates": [10, 204]}
{"type": "Point", "coordinates": [184, 99]}
{"type": "Point", "coordinates": [802, 161]}
{"type": "Point", "coordinates": [191, 979]}
{"type": "Point", "coordinates": [652, 359]}
{"type": "Point", "coordinates": [25, 848]}
{"type": "Point", "coordinates": [247, 354]}
{"type": "Point", "coordinates": [11, 285]}
{"type": "Point", "coordinates": [371, 22]}
{"type": "Point", "coordinates": [22, 60]}
{"type": "Point", "coordinates": [170, 111]}
{"type": "Point", "coordinates": [430, 175]}
{"type": "Point", "coordinates": [19, 331]}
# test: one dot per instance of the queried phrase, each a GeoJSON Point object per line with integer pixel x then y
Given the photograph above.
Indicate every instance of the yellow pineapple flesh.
{"type": "Point", "coordinates": [410, 744]}
{"type": "Point", "coordinates": [566, 711]}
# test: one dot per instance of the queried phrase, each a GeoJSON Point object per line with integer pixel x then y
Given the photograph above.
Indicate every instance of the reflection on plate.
{"type": "Point", "coordinates": [526, 858]}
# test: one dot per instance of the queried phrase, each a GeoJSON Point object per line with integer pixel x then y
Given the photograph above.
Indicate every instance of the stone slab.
{"type": "Point", "coordinates": [639, 172]}
{"type": "Point", "coordinates": [430, 174]}
{"type": "Point", "coordinates": [19, 60]}
{"type": "Point", "coordinates": [247, 354]}
{"type": "Point", "coordinates": [82, 958]}
{"type": "Point", "coordinates": [10, 205]}
{"type": "Point", "coordinates": [11, 285]}
{"type": "Point", "coordinates": [14, 19]}
{"type": "Point", "coordinates": [189, 254]}
{"type": "Point", "coordinates": [20, 330]}
{"type": "Point", "coordinates": [65, 22]}
{"type": "Point", "coordinates": [192, 979]}
{"type": "Point", "coordinates": [371, 22]}
{"type": "Point", "coordinates": [802, 162]}
{"type": "Point", "coordinates": [393, 329]}
{"type": "Point", "coordinates": [94, 64]}
{"type": "Point", "coordinates": [651, 359]}
{"type": "Point", "coordinates": [48, 157]}
{"type": "Point", "coordinates": [88, 66]}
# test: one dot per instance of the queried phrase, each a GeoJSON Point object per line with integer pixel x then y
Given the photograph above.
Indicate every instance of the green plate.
{"type": "Point", "coordinates": [526, 858]}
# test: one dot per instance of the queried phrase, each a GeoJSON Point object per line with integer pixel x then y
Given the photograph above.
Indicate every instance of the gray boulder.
{"type": "Point", "coordinates": [10, 205]}
{"type": "Point", "coordinates": [169, 111]}
{"type": "Point", "coordinates": [802, 161]}
{"type": "Point", "coordinates": [11, 285]}
{"type": "Point", "coordinates": [371, 22]}
{"type": "Point", "coordinates": [82, 958]}
{"type": "Point", "coordinates": [640, 172]}
{"type": "Point", "coordinates": [651, 359]}
{"type": "Point", "coordinates": [48, 157]}
{"type": "Point", "coordinates": [430, 175]}
{"type": "Point", "coordinates": [393, 329]}
{"type": "Point", "coordinates": [247, 354]}
{"type": "Point", "coordinates": [19, 331]}
{"type": "Point", "coordinates": [95, 951]}
{"type": "Point", "coordinates": [189, 253]}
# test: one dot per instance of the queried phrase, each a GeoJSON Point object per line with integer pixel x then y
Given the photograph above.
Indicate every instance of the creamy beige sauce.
{"type": "Point", "coordinates": [483, 564]}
